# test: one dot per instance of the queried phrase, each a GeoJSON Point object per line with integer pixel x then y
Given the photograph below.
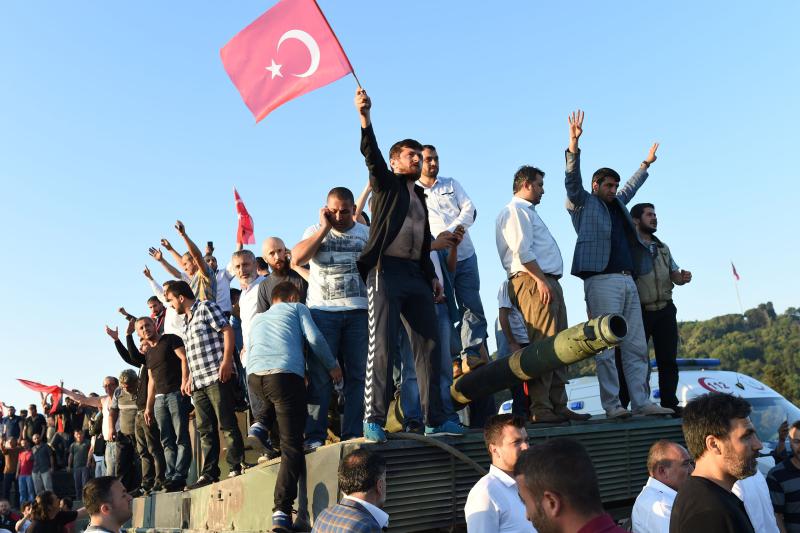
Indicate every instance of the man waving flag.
{"type": "Point", "coordinates": [286, 52]}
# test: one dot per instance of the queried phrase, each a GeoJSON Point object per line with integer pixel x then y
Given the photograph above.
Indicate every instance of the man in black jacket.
{"type": "Point", "coordinates": [401, 281]}
{"type": "Point", "coordinates": [148, 439]}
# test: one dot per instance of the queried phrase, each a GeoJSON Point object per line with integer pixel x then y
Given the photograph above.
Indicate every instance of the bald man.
{"type": "Point", "coordinates": [669, 466]}
{"type": "Point", "coordinates": [278, 258]}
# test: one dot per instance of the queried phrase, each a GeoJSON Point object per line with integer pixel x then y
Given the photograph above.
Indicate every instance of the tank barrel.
{"type": "Point", "coordinates": [574, 344]}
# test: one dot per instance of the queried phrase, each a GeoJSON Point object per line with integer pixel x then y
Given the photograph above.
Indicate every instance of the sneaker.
{"type": "Point", "coordinates": [137, 493]}
{"type": "Point", "coordinates": [301, 522]}
{"type": "Point", "coordinates": [414, 426]}
{"type": "Point", "coordinates": [235, 471]}
{"type": "Point", "coordinates": [174, 485]}
{"type": "Point", "coordinates": [202, 481]}
{"type": "Point", "coordinates": [618, 413]}
{"type": "Point", "coordinates": [652, 409]}
{"type": "Point", "coordinates": [449, 427]}
{"type": "Point", "coordinates": [312, 445]}
{"type": "Point", "coordinates": [374, 432]}
{"type": "Point", "coordinates": [258, 432]}
{"type": "Point", "coordinates": [281, 522]}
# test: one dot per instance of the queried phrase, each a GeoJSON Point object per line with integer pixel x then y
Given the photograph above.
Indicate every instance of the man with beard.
{"type": "Point", "coordinates": [724, 444]}
{"type": "Point", "coordinates": [558, 485]}
{"type": "Point", "coordinates": [784, 485]}
{"type": "Point", "coordinates": [279, 260]}
{"type": "Point", "coordinates": [401, 281]}
{"type": "Point", "coordinates": [157, 312]}
{"type": "Point", "coordinates": [493, 504]}
{"type": "Point", "coordinates": [209, 354]}
{"type": "Point", "coordinates": [604, 259]}
{"type": "Point", "coordinates": [658, 311]}
{"type": "Point", "coordinates": [449, 208]}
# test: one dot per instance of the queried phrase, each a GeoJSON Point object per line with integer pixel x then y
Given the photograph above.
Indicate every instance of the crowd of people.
{"type": "Point", "coordinates": [367, 316]}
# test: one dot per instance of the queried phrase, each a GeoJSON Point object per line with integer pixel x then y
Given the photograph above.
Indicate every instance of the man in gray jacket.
{"type": "Point", "coordinates": [604, 260]}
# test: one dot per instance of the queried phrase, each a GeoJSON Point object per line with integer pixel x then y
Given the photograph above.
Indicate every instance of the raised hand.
{"type": "Point", "coordinates": [181, 228]}
{"type": "Point", "coordinates": [147, 273]}
{"type": "Point", "coordinates": [651, 155]}
{"type": "Point", "coordinates": [165, 243]}
{"type": "Point", "coordinates": [156, 254]}
{"type": "Point", "coordinates": [131, 326]}
{"type": "Point", "coordinates": [575, 125]}
{"type": "Point", "coordinates": [113, 333]}
{"type": "Point", "coordinates": [362, 101]}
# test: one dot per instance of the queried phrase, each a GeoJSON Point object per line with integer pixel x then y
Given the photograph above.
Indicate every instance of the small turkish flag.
{"type": "Point", "coordinates": [245, 232]}
{"type": "Point", "coordinates": [53, 390]}
{"type": "Point", "coordinates": [735, 274]}
{"type": "Point", "coordinates": [286, 52]}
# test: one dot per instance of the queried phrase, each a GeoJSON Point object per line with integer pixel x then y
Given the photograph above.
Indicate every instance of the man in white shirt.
{"type": "Point", "coordinates": [493, 504]}
{"type": "Point", "coordinates": [223, 277]}
{"type": "Point", "coordinates": [533, 265]}
{"type": "Point", "coordinates": [512, 336]}
{"type": "Point", "coordinates": [173, 323]}
{"type": "Point", "coordinates": [754, 493]}
{"type": "Point", "coordinates": [243, 266]}
{"type": "Point", "coordinates": [669, 466]}
{"type": "Point", "coordinates": [337, 298]}
{"type": "Point", "coordinates": [449, 208]}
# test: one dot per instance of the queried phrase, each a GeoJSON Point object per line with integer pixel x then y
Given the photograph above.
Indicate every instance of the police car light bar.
{"type": "Point", "coordinates": [707, 362]}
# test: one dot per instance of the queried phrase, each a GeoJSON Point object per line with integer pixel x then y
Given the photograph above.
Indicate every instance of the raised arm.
{"type": "Point", "coordinates": [380, 176]}
{"type": "Point", "coordinates": [194, 251]}
{"type": "Point", "coordinates": [308, 247]}
{"type": "Point", "coordinates": [121, 350]}
{"type": "Point", "coordinates": [173, 252]}
{"type": "Point", "coordinates": [156, 254]}
{"type": "Point", "coordinates": [362, 201]}
{"type": "Point", "coordinates": [573, 181]}
{"type": "Point", "coordinates": [81, 399]}
{"type": "Point", "coordinates": [627, 191]}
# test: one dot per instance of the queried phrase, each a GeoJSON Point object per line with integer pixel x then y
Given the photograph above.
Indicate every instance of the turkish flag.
{"type": "Point", "coordinates": [55, 390]}
{"type": "Point", "coordinates": [244, 233]}
{"type": "Point", "coordinates": [286, 52]}
{"type": "Point", "coordinates": [735, 274]}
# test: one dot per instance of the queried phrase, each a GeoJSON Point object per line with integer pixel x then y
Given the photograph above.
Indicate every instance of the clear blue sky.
{"type": "Point", "coordinates": [118, 118]}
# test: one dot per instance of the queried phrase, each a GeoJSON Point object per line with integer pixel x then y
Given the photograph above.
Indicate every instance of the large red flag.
{"type": "Point", "coordinates": [55, 390]}
{"type": "Point", "coordinates": [286, 52]}
{"type": "Point", "coordinates": [245, 232]}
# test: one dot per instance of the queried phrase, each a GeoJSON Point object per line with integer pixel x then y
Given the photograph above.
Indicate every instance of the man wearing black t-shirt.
{"type": "Point", "coordinates": [167, 400]}
{"type": "Point", "coordinates": [724, 444]}
{"type": "Point", "coordinates": [280, 260]}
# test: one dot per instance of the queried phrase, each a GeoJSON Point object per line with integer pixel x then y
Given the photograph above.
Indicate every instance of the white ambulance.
{"type": "Point", "coordinates": [697, 377]}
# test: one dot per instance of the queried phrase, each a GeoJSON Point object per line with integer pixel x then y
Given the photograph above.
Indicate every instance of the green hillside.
{"type": "Point", "coordinates": [761, 344]}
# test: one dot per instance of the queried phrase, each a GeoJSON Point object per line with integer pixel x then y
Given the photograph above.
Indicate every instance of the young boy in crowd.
{"type": "Point", "coordinates": [276, 371]}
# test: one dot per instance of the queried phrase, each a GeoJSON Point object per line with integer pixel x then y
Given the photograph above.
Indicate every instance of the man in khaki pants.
{"type": "Point", "coordinates": [533, 263]}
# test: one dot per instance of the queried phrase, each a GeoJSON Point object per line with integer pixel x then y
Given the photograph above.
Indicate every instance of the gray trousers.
{"type": "Point", "coordinates": [617, 293]}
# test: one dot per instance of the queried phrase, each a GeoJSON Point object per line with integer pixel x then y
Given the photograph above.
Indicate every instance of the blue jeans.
{"type": "Point", "coordinates": [467, 286]}
{"type": "Point", "coordinates": [27, 492]}
{"type": "Point", "coordinates": [172, 415]}
{"type": "Point", "coordinates": [346, 333]}
{"type": "Point", "coordinates": [409, 391]}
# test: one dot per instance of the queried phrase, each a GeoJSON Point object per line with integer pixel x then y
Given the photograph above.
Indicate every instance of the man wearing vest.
{"type": "Point", "coordinates": [658, 311]}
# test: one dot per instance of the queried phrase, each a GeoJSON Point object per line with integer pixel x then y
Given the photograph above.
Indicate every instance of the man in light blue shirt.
{"type": "Point", "coordinates": [276, 370]}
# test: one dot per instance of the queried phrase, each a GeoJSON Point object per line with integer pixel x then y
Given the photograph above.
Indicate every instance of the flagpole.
{"type": "Point", "coordinates": [736, 285]}
{"type": "Point", "coordinates": [352, 70]}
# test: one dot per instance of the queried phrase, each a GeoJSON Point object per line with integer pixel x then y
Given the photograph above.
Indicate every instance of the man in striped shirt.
{"type": "Point", "coordinates": [784, 486]}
